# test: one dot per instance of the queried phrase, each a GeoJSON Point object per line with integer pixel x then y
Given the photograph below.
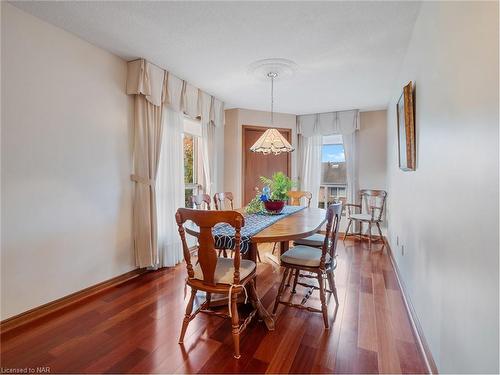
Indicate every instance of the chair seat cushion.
{"type": "Point", "coordinates": [304, 256]}
{"type": "Point", "coordinates": [362, 217]}
{"type": "Point", "coordinates": [224, 270]}
{"type": "Point", "coordinates": [315, 240]}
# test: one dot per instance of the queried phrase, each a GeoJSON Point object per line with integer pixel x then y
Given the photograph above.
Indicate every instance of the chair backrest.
{"type": "Point", "coordinates": [295, 197]}
{"type": "Point", "coordinates": [198, 199]}
{"type": "Point", "coordinates": [333, 216]}
{"type": "Point", "coordinates": [373, 200]}
{"type": "Point", "coordinates": [207, 256]}
{"type": "Point", "coordinates": [219, 199]}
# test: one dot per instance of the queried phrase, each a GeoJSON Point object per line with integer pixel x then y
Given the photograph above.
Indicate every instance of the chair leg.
{"type": "Point", "coordinates": [187, 317]}
{"type": "Point", "coordinates": [347, 230]}
{"type": "Point", "coordinates": [333, 287]}
{"type": "Point", "coordinates": [235, 322]}
{"type": "Point", "coordinates": [290, 275]}
{"type": "Point", "coordinates": [323, 300]}
{"type": "Point", "coordinates": [208, 297]}
{"type": "Point", "coordinates": [380, 233]}
{"type": "Point", "coordinates": [295, 280]}
{"type": "Point", "coordinates": [280, 290]}
{"type": "Point", "coordinates": [360, 234]}
{"type": "Point", "coordinates": [370, 235]}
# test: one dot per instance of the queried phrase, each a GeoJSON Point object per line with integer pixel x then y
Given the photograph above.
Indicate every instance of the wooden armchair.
{"type": "Point", "coordinates": [220, 198]}
{"type": "Point", "coordinates": [217, 275]}
{"type": "Point", "coordinates": [296, 196]}
{"type": "Point", "coordinates": [198, 200]}
{"type": "Point", "coordinates": [321, 262]}
{"type": "Point", "coordinates": [370, 211]}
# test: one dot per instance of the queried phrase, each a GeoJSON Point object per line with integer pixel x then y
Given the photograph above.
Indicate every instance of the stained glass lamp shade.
{"type": "Point", "coordinates": [271, 142]}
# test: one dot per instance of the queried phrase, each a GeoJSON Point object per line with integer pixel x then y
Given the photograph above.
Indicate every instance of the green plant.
{"type": "Point", "coordinates": [255, 205]}
{"type": "Point", "coordinates": [279, 185]}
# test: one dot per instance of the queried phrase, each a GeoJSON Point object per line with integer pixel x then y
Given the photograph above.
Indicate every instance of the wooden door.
{"type": "Point", "coordinates": [256, 164]}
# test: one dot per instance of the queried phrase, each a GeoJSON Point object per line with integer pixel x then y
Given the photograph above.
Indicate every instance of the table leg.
{"type": "Point", "coordinates": [251, 254]}
{"type": "Point", "coordinates": [284, 246]}
{"type": "Point", "coordinates": [262, 313]}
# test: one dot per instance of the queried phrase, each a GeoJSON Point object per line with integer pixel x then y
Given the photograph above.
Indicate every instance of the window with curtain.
{"type": "Point", "coordinates": [333, 170]}
{"type": "Point", "coordinates": [192, 167]}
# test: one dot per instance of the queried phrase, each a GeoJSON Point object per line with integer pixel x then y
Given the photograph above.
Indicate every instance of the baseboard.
{"type": "Point", "coordinates": [64, 302]}
{"type": "Point", "coordinates": [417, 328]}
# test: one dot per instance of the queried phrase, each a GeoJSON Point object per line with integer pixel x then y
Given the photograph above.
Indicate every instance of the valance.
{"type": "Point", "coordinates": [162, 87]}
{"type": "Point", "coordinates": [342, 122]}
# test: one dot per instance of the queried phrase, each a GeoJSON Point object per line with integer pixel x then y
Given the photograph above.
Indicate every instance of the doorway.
{"type": "Point", "coordinates": [256, 164]}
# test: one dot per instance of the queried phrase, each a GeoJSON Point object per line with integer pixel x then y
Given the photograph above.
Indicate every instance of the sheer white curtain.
{"type": "Point", "coordinates": [207, 156]}
{"type": "Point", "coordinates": [351, 166]}
{"type": "Point", "coordinates": [345, 123]}
{"type": "Point", "coordinates": [170, 188]}
{"type": "Point", "coordinates": [310, 169]}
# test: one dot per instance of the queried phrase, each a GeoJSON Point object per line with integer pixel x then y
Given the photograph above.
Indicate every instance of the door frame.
{"type": "Point", "coordinates": [243, 153]}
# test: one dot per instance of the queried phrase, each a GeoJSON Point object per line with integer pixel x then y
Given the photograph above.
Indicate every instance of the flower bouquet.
{"type": "Point", "coordinates": [273, 197]}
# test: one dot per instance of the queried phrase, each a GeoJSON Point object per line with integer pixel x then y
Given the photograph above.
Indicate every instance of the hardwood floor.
{"type": "Point", "coordinates": [134, 328]}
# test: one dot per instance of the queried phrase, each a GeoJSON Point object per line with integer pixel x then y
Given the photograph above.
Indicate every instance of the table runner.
{"type": "Point", "coordinates": [224, 233]}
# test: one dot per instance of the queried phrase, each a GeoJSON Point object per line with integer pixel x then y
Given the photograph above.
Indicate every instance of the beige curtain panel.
{"type": "Point", "coordinates": [155, 88]}
{"type": "Point", "coordinates": [342, 122]}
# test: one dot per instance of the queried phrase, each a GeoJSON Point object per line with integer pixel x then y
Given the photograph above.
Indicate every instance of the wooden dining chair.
{"type": "Point", "coordinates": [296, 196]}
{"type": "Point", "coordinates": [213, 274]}
{"type": "Point", "coordinates": [370, 211]}
{"type": "Point", "coordinates": [320, 263]}
{"type": "Point", "coordinates": [220, 198]}
{"type": "Point", "coordinates": [198, 199]}
{"type": "Point", "coordinates": [219, 203]}
{"type": "Point", "coordinates": [315, 239]}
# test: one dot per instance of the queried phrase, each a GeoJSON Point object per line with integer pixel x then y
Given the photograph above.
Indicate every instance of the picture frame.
{"type": "Point", "coordinates": [406, 129]}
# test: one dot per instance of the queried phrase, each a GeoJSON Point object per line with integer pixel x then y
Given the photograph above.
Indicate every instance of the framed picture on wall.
{"type": "Point", "coordinates": [406, 129]}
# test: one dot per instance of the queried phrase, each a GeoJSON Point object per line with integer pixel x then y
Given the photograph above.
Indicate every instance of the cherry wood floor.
{"type": "Point", "coordinates": [134, 328]}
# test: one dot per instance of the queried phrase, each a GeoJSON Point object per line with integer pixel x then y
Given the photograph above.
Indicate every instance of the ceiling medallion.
{"type": "Point", "coordinates": [283, 67]}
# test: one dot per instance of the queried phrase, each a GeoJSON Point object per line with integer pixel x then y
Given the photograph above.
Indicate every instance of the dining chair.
{"type": "Point", "coordinates": [320, 263]}
{"type": "Point", "coordinates": [198, 199]}
{"type": "Point", "coordinates": [296, 196]}
{"type": "Point", "coordinates": [212, 274]}
{"type": "Point", "coordinates": [219, 200]}
{"type": "Point", "coordinates": [371, 209]}
{"type": "Point", "coordinates": [315, 239]}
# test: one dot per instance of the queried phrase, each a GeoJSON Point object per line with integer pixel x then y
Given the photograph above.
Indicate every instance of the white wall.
{"type": "Point", "coordinates": [66, 194]}
{"type": "Point", "coordinates": [446, 212]}
{"type": "Point", "coordinates": [371, 145]}
{"type": "Point", "coordinates": [371, 148]}
{"type": "Point", "coordinates": [234, 121]}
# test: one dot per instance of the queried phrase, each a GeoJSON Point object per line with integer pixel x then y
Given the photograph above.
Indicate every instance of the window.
{"type": "Point", "coordinates": [333, 170]}
{"type": "Point", "coordinates": [190, 139]}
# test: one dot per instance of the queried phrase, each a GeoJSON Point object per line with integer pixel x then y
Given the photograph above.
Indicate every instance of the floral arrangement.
{"type": "Point", "coordinates": [255, 206]}
{"type": "Point", "coordinates": [277, 187]}
{"type": "Point", "coordinates": [275, 190]}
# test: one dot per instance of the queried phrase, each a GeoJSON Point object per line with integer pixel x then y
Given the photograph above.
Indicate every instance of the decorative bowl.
{"type": "Point", "coordinates": [274, 207]}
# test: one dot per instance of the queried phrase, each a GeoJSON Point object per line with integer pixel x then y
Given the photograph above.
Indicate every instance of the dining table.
{"type": "Point", "coordinates": [301, 223]}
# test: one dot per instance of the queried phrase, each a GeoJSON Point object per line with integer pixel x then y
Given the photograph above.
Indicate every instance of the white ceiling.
{"type": "Point", "coordinates": [348, 53]}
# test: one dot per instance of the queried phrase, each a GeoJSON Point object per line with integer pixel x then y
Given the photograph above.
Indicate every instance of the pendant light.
{"type": "Point", "coordinates": [272, 141]}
